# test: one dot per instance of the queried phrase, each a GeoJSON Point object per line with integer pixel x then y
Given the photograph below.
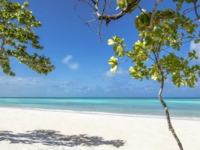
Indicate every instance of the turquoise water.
{"type": "Point", "coordinates": [179, 107]}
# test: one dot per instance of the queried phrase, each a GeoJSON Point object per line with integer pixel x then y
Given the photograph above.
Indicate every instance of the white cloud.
{"type": "Point", "coordinates": [196, 47]}
{"type": "Point", "coordinates": [23, 86]}
{"type": "Point", "coordinates": [21, 81]}
{"type": "Point", "coordinates": [67, 59]}
{"type": "Point", "coordinates": [119, 71]}
{"type": "Point", "coordinates": [71, 65]}
{"type": "Point", "coordinates": [109, 74]}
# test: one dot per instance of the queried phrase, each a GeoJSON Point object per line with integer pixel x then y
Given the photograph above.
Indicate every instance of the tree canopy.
{"type": "Point", "coordinates": [16, 33]}
{"type": "Point", "coordinates": [169, 29]}
{"type": "Point", "coordinates": [161, 35]}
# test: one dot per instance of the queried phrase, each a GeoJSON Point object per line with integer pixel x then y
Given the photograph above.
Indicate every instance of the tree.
{"type": "Point", "coordinates": [16, 23]}
{"type": "Point", "coordinates": [161, 33]}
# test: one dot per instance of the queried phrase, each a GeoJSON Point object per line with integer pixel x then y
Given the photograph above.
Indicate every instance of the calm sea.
{"type": "Point", "coordinates": [179, 107]}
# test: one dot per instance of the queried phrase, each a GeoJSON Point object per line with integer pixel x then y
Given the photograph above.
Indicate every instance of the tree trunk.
{"type": "Point", "coordinates": [160, 68]}
{"type": "Point", "coordinates": [167, 114]}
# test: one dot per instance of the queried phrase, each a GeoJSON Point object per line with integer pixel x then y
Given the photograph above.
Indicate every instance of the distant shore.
{"type": "Point", "coordinates": [31, 129]}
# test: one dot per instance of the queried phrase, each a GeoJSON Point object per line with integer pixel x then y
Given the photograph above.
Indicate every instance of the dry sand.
{"type": "Point", "coordinates": [22, 129]}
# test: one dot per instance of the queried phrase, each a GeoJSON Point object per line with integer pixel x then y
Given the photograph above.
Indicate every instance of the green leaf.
{"type": "Point", "coordinates": [122, 3]}
{"type": "Point", "coordinates": [154, 77]}
{"type": "Point", "coordinates": [111, 42]}
{"type": "Point", "coordinates": [196, 41]}
{"type": "Point", "coordinates": [12, 74]}
{"type": "Point", "coordinates": [26, 3]}
{"type": "Point", "coordinates": [190, 36]}
{"type": "Point", "coordinates": [113, 69]}
{"type": "Point", "coordinates": [178, 6]}
{"type": "Point", "coordinates": [113, 61]}
{"type": "Point", "coordinates": [119, 48]}
{"type": "Point", "coordinates": [188, 1]}
{"type": "Point", "coordinates": [164, 25]}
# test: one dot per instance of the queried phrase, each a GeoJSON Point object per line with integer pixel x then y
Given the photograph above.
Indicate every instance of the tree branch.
{"type": "Point", "coordinates": [190, 9]}
{"type": "Point", "coordinates": [85, 1]}
{"type": "Point", "coordinates": [3, 42]}
{"type": "Point", "coordinates": [160, 68]}
{"type": "Point", "coordinates": [108, 18]}
{"type": "Point", "coordinates": [195, 9]}
{"type": "Point", "coordinates": [123, 61]}
{"type": "Point", "coordinates": [153, 15]}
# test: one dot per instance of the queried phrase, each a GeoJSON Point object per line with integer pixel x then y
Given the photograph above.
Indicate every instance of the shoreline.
{"type": "Point", "coordinates": [104, 113]}
{"type": "Point", "coordinates": [23, 129]}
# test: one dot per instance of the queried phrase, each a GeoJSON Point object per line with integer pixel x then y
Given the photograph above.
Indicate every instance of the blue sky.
{"type": "Point", "coordinates": [81, 61]}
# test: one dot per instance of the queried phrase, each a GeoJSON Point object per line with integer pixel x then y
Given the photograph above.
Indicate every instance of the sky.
{"type": "Point", "coordinates": [81, 59]}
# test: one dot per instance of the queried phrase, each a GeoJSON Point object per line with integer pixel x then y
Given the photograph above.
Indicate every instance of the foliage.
{"type": "Point", "coordinates": [170, 28]}
{"type": "Point", "coordinates": [16, 23]}
{"type": "Point", "coordinates": [162, 34]}
{"type": "Point", "coordinates": [123, 4]}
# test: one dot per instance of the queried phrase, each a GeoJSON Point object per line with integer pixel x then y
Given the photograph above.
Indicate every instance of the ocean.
{"type": "Point", "coordinates": [178, 107]}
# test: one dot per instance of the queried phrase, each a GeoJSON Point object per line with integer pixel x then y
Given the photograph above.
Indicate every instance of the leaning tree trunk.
{"type": "Point", "coordinates": [167, 114]}
{"type": "Point", "coordinates": [160, 68]}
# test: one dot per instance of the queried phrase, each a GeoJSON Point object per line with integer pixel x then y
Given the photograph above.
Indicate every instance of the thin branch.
{"type": "Point", "coordinates": [169, 53]}
{"type": "Point", "coordinates": [101, 22]}
{"type": "Point", "coordinates": [142, 38]}
{"type": "Point", "coordinates": [195, 9]}
{"type": "Point", "coordinates": [152, 59]}
{"type": "Point", "coordinates": [104, 7]}
{"type": "Point", "coordinates": [179, 42]}
{"type": "Point", "coordinates": [3, 42]}
{"type": "Point", "coordinates": [190, 9]}
{"type": "Point", "coordinates": [109, 4]}
{"type": "Point", "coordinates": [98, 33]}
{"type": "Point", "coordinates": [153, 15]}
{"type": "Point", "coordinates": [101, 16]}
{"type": "Point", "coordinates": [145, 55]}
{"type": "Point", "coordinates": [78, 1]}
{"type": "Point", "coordinates": [188, 40]}
{"type": "Point", "coordinates": [93, 1]}
{"type": "Point", "coordinates": [87, 23]}
{"type": "Point", "coordinates": [123, 61]}
{"type": "Point", "coordinates": [143, 12]}
{"type": "Point", "coordinates": [108, 18]}
{"type": "Point", "coordinates": [99, 30]}
{"type": "Point", "coordinates": [85, 1]}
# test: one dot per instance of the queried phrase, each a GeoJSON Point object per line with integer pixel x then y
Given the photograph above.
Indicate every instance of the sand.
{"type": "Point", "coordinates": [23, 129]}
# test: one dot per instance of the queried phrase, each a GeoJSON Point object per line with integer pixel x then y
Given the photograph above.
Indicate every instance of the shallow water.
{"type": "Point", "coordinates": [179, 107]}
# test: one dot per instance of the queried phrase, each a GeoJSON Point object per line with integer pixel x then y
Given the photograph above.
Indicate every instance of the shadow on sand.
{"type": "Point", "coordinates": [53, 138]}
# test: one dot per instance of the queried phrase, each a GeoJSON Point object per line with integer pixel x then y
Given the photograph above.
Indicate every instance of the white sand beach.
{"type": "Point", "coordinates": [23, 129]}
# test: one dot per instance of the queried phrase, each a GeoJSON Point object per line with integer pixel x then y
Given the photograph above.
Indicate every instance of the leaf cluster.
{"type": "Point", "coordinates": [170, 30]}
{"type": "Point", "coordinates": [16, 33]}
{"type": "Point", "coordinates": [123, 4]}
{"type": "Point", "coordinates": [180, 3]}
